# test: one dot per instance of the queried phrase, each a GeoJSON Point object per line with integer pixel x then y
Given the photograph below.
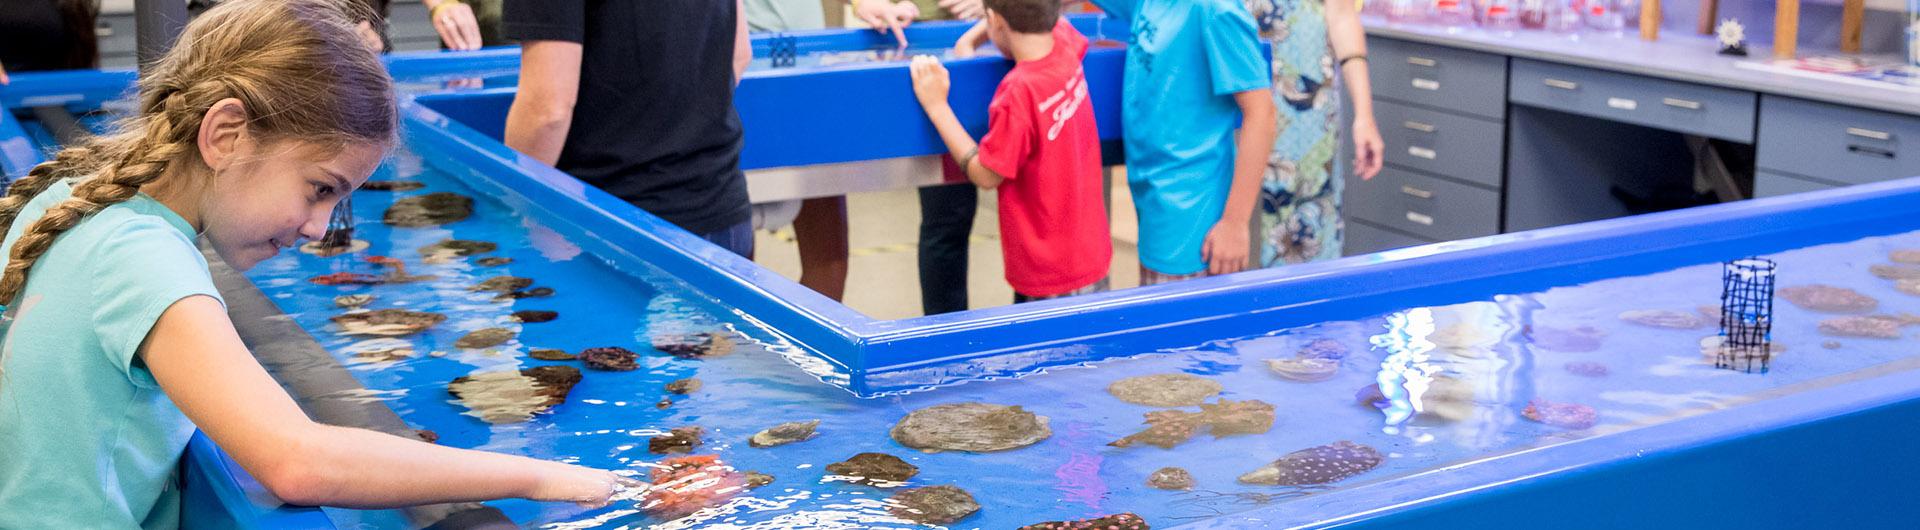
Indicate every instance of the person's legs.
{"type": "Point", "coordinates": [1153, 277]}
{"type": "Point", "coordinates": [821, 232]}
{"type": "Point", "coordinates": [946, 224]}
{"type": "Point", "coordinates": [737, 239]}
{"type": "Point", "coordinates": [1096, 287]}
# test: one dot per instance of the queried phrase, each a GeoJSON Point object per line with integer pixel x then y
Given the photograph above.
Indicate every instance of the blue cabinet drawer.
{"type": "Point", "coordinates": [1835, 143]}
{"type": "Point", "coordinates": [1439, 77]}
{"type": "Point", "coordinates": [1424, 206]}
{"type": "Point", "coordinates": [1771, 184]}
{"type": "Point", "coordinates": [1713, 112]}
{"type": "Point", "coordinates": [1441, 143]}
{"type": "Point", "coordinates": [1364, 238]}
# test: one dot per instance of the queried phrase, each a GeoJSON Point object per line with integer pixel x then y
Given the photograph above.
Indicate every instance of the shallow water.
{"type": "Point", "coordinates": [1481, 349]}
{"type": "Point", "coordinates": [858, 57]}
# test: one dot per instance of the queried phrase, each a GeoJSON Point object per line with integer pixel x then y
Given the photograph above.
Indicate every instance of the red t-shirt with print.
{"type": "Point", "coordinates": [1042, 138]}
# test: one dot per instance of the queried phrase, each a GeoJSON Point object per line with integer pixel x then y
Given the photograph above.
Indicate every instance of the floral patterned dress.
{"type": "Point", "coordinates": [1299, 209]}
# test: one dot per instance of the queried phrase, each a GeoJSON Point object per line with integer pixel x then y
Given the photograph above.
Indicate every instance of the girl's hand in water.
{"type": "Point", "coordinates": [588, 487]}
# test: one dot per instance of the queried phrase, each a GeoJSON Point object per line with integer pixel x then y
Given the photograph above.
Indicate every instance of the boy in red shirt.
{"type": "Point", "coordinates": [1042, 150]}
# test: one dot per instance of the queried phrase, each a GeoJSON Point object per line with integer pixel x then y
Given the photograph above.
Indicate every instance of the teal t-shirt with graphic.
{"type": "Point", "coordinates": [1186, 60]}
{"type": "Point", "coordinates": [87, 438]}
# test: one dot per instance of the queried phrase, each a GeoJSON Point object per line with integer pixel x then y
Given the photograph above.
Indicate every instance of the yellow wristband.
{"type": "Point", "coordinates": [435, 12]}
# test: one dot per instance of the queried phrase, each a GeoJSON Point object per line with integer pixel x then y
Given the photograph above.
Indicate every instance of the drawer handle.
{"type": "Point", "coordinates": [1871, 151]}
{"type": "Point", "coordinates": [1623, 103]}
{"type": "Point", "coordinates": [1422, 61]}
{"type": "Point", "coordinates": [1420, 218]}
{"type": "Point", "coordinates": [1422, 152]}
{"type": "Point", "coordinates": [1425, 84]}
{"type": "Point", "coordinates": [1869, 133]}
{"type": "Point", "coordinates": [1681, 103]}
{"type": "Point", "coordinates": [1416, 192]}
{"type": "Point", "coordinates": [1422, 127]}
{"type": "Point", "coordinates": [1561, 84]}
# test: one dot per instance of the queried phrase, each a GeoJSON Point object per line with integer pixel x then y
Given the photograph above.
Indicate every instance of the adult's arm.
{"type": "Point", "coordinates": [542, 111]}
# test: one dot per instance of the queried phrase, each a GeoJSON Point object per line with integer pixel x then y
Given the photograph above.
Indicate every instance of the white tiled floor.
{"type": "Point", "coordinates": [883, 275]}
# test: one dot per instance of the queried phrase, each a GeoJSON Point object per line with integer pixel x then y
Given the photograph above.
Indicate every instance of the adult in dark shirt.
{"type": "Point", "coordinates": [637, 99]}
{"type": "Point", "coordinates": [47, 35]}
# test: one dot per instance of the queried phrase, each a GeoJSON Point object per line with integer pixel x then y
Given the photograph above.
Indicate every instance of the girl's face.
{"type": "Point", "coordinates": [277, 194]}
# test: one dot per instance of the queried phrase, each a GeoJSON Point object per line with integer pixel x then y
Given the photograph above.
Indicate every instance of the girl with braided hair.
{"type": "Point", "coordinates": [117, 345]}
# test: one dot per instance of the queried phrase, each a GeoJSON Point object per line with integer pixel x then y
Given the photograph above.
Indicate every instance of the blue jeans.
{"type": "Point", "coordinates": [737, 239]}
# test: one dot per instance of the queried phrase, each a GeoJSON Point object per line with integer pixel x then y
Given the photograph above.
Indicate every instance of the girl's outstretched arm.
{"type": "Point", "coordinates": [200, 362]}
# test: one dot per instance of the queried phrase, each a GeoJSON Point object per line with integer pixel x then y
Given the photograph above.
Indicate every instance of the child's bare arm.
{"type": "Point", "coordinates": [970, 41]}
{"type": "Point", "coordinates": [542, 111]}
{"type": "Point", "coordinates": [742, 46]}
{"type": "Point", "coordinates": [930, 84]}
{"type": "Point", "coordinates": [201, 364]}
{"type": "Point", "coordinates": [1227, 246]}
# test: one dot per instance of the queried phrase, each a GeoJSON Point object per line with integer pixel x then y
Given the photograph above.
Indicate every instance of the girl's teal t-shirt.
{"type": "Point", "coordinates": [87, 438]}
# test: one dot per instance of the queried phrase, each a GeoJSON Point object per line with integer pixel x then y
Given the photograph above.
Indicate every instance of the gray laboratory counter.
{"type": "Point", "coordinates": [1502, 131]}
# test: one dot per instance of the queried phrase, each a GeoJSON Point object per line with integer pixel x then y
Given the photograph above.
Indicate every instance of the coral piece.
{"type": "Point", "coordinates": [1323, 464]}
{"type": "Point", "coordinates": [684, 386]}
{"type": "Point", "coordinates": [686, 484]}
{"type": "Point", "coordinates": [1125, 521]}
{"type": "Point", "coordinates": [868, 468]}
{"type": "Point", "coordinates": [484, 338]}
{"type": "Point", "coordinates": [612, 359]}
{"type": "Point", "coordinates": [970, 427]}
{"type": "Point", "coordinates": [506, 396]}
{"type": "Point", "coordinates": [1828, 299]}
{"type": "Point", "coordinates": [785, 433]}
{"type": "Point", "coordinates": [678, 440]}
{"type": "Point", "coordinates": [933, 504]}
{"type": "Point", "coordinates": [1171, 478]}
{"type": "Point", "coordinates": [347, 278]}
{"type": "Point", "coordinates": [534, 316]}
{"type": "Point", "coordinates": [1586, 369]}
{"type": "Point", "coordinates": [432, 209]}
{"type": "Point", "coordinates": [694, 345]}
{"type": "Point", "coordinates": [1164, 390]}
{"type": "Point", "coordinates": [550, 354]}
{"type": "Point", "coordinates": [387, 322]}
{"type": "Point", "coordinates": [1563, 415]}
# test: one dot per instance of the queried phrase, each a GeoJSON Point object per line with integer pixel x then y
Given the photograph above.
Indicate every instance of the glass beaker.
{"type": "Point", "coordinates": [1451, 12]}
{"type": "Point", "coordinates": [1497, 13]}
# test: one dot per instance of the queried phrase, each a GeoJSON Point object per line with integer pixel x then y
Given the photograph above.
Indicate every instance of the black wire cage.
{"type": "Point", "coordinates": [339, 228]}
{"type": "Point", "coordinates": [1746, 315]}
{"type": "Point", "coordinates": [783, 50]}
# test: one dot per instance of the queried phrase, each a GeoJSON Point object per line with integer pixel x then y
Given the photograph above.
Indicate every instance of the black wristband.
{"type": "Point", "coordinates": [1343, 60]}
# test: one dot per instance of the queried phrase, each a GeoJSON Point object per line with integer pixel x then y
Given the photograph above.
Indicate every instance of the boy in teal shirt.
{"type": "Point", "coordinates": [1194, 75]}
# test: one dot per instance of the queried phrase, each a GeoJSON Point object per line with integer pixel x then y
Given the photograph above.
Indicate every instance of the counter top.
{"type": "Point", "coordinates": [1678, 55]}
